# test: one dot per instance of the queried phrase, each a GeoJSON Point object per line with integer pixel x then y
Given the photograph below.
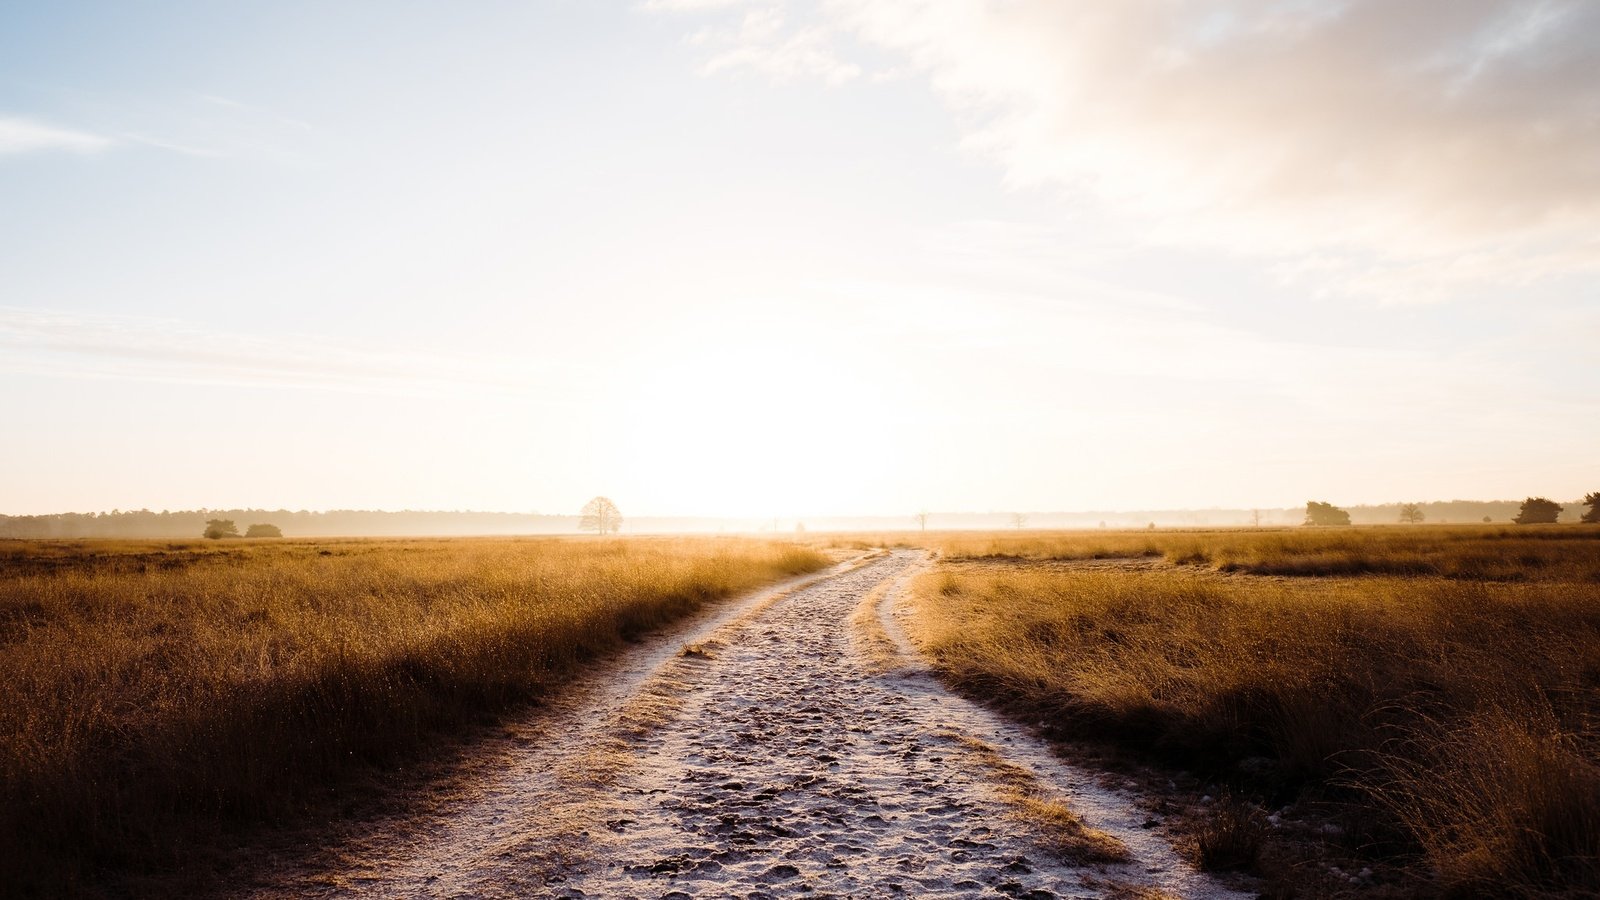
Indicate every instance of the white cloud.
{"type": "Point", "coordinates": [1447, 139]}
{"type": "Point", "coordinates": [764, 40]}
{"type": "Point", "coordinates": [762, 43]}
{"type": "Point", "coordinates": [690, 5]}
{"type": "Point", "coordinates": [26, 136]}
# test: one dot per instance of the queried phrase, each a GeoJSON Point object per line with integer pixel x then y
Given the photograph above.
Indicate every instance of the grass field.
{"type": "Point", "coordinates": [155, 691]}
{"type": "Point", "coordinates": [1442, 684]}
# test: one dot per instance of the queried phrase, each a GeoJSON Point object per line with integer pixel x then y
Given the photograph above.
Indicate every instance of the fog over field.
{"type": "Point", "coordinates": [370, 523]}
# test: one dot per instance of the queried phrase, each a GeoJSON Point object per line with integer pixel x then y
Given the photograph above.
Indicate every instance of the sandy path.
{"type": "Point", "coordinates": [798, 749]}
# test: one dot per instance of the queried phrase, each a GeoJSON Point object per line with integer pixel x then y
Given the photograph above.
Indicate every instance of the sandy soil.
{"type": "Point", "coordinates": [791, 744]}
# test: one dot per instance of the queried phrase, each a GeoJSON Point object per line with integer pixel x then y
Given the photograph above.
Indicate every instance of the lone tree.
{"type": "Point", "coordinates": [216, 529]}
{"type": "Point", "coordinates": [601, 516]}
{"type": "Point", "coordinates": [1325, 514]}
{"type": "Point", "coordinates": [921, 519]}
{"type": "Point", "coordinates": [1592, 517]}
{"type": "Point", "coordinates": [263, 531]}
{"type": "Point", "coordinates": [1538, 511]}
{"type": "Point", "coordinates": [1411, 513]}
{"type": "Point", "coordinates": [1018, 520]}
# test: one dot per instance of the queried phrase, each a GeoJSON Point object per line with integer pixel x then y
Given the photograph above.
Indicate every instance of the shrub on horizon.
{"type": "Point", "coordinates": [1318, 513]}
{"type": "Point", "coordinates": [1538, 511]}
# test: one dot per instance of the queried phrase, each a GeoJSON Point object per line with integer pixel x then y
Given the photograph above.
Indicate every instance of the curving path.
{"type": "Point", "coordinates": [792, 746]}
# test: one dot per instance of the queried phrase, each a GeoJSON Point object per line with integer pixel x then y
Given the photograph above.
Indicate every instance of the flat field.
{"type": "Point", "coordinates": [154, 691]}
{"type": "Point", "coordinates": [1433, 691]}
{"type": "Point", "coordinates": [1378, 711]}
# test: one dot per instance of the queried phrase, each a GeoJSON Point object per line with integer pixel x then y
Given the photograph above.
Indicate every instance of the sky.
{"type": "Point", "coordinates": [797, 257]}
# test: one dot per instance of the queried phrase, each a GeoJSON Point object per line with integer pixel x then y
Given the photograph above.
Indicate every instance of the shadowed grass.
{"type": "Point", "coordinates": [154, 692]}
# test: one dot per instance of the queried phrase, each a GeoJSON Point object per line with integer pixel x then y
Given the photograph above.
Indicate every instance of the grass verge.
{"type": "Point", "coordinates": [159, 694]}
{"type": "Point", "coordinates": [1455, 718]}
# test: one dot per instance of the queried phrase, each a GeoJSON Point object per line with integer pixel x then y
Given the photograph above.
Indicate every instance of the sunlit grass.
{"type": "Point", "coordinates": [150, 687]}
{"type": "Point", "coordinates": [1459, 708]}
{"type": "Point", "coordinates": [1494, 553]}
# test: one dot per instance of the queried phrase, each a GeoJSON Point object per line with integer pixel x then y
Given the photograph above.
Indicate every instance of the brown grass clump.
{"type": "Point", "coordinates": [1459, 714]}
{"type": "Point", "coordinates": [156, 691]}
{"type": "Point", "coordinates": [1231, 836]}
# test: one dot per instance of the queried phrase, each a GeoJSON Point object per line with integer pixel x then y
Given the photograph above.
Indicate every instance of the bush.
{"type": "Point", "coordinates": [1325, 514]}
{"type": "Point", "coordinates": [1538, 511]}
{"type": "Point", "coordinates": [263, 531]}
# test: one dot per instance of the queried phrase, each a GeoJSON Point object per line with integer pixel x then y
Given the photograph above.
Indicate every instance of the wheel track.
{"type": "Point", "coordinates": [799, 748]}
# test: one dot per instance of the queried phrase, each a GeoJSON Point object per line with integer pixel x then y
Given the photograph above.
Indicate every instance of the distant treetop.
{"type": "Point", "coordinates": [1538, 511]}
{"type": "Point", "coordinates": [1318, 513]}
{"type": "Point", "coordinates": [601, 516]}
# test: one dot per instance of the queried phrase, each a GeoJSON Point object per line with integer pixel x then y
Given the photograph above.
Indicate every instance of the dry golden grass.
{"type": "Point", "coordinates": [1472, 552]}
{"type": "Point", "coordinates": [156, 690]}
{"type": "Point", "coordinates": [1459, 711]}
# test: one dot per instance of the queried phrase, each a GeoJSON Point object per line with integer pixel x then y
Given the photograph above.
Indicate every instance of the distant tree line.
{"type": "Point", "coordinates": [1534, 511]}
{"type": "Point", "coordinates": [189, 524]}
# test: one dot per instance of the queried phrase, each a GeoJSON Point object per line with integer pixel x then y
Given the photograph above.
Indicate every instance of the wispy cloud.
{"type": "Point", "coordinates": [1440, 138]}
{"type": "Point", "coordinates": [93, 345]}
{"type": "Point", "coordinates": [689, 5]}
{"type": "Point", "coordinates": [765, 40]}
{"type": "Point", "coordinates": [183, 149]}
{"type": "Point", "coordinates": [19, 136]}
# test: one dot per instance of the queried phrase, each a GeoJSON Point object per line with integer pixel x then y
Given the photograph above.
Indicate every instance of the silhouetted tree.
{"type": "Point", "coordinates": [1592, 501]}
{"type": "Point", "coordinates": [921, 519]}
{"type": "Point", "coordinates": [1325, 514]}
{"type": "Point", "coordinates": [1411, 513]}
{"type": "Point", "coordinates": [263, 531]}
{"type": "Point", "coordinates": [601, 516]}
{"type": "Point", "coordinates": [1018, 520]}
{"type": "Point", "coordinates": [221, 528]}
{"type": "Point", "coordinates": [1487, 520]}
{"type": "Point", "coordinates": [1538, 511]}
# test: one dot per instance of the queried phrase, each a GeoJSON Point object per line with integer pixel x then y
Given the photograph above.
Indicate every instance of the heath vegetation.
{"type": "Point", "coordinates": [1471, 552]}
{"type": "Point", "coordinates": [155, 691]}
{"type": "Point", "coordinates": [1447, 702]}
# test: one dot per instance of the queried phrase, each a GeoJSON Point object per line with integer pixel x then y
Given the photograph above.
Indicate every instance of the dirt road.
{"type": "Point", "coordinates": [790, 745]}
